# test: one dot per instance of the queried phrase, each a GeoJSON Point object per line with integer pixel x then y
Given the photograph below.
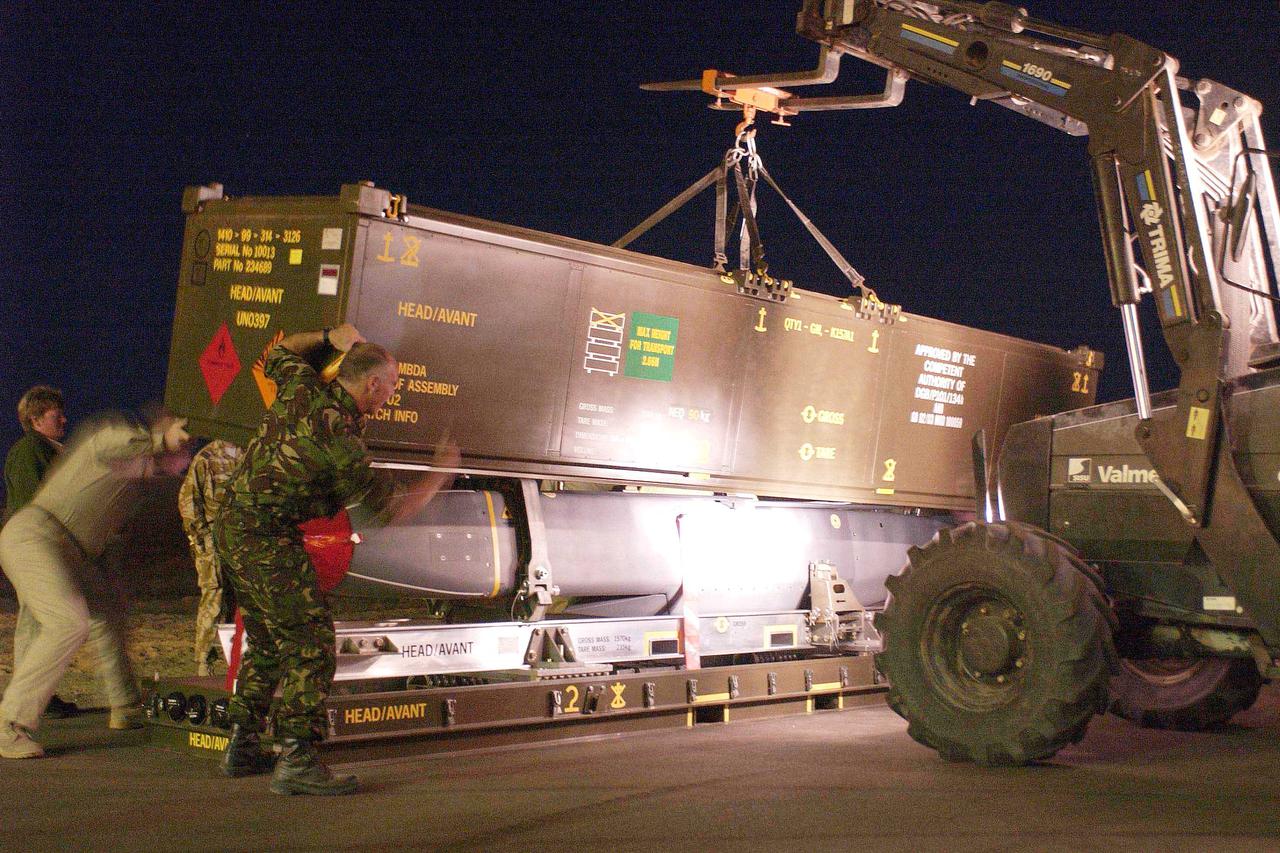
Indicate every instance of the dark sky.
{"type": "Point", "coordinates": [529, 113]}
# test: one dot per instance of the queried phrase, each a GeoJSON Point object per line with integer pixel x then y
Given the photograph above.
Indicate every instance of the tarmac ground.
{"type": "Point", "coordinates": [832, 780]}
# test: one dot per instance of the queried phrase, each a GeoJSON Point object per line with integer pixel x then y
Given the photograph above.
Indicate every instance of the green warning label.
{"type": "Point", "coordinates": [651, 346]}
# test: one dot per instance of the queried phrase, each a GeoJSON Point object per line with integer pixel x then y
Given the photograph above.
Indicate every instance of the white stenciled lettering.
{"type": "Point", "coordinates": [1125, 474]}
{"type": "Point", "coordinates": [1160, 253]}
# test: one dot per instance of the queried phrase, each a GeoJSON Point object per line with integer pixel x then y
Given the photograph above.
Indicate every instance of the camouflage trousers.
{"type": "Point", "coordinates": [288, 629]}
{"type": "Point", "coordinates": [209, 610]}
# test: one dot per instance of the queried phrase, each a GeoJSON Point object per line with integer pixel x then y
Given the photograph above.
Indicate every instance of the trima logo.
{"type": "Point", "coordinates": [1079, 469]}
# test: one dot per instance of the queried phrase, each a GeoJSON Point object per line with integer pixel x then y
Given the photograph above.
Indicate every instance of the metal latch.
{"type": "Point", "coordinates": [760, 285]}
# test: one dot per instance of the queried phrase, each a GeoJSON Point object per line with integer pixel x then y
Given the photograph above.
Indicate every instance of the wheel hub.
{"type": "Point", "coordinates": [986, 644]}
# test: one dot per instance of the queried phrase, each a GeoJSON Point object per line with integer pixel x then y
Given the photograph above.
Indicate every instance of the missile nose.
{"type": "Point", "coordinates": [330, 543]}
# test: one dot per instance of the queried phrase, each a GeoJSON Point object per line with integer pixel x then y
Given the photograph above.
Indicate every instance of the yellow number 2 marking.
{"type": "Point", "coordinates": [574, 694]}
{"type": "Point", "coordinates": [410, 256]}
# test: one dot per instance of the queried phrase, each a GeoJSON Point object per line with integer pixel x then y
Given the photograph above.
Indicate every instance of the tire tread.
{"type": "Point", "coordinates": [1082, 633]}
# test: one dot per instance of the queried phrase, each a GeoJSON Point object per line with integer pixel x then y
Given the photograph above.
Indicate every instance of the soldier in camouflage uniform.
{"type": "Point", "coordinates": [307, 460]}
{"type": "Point", "coordinates": [199, 501]}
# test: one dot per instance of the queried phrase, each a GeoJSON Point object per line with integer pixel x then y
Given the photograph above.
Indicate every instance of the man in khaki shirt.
{"type": "Point", "coordinates": [49, 550]}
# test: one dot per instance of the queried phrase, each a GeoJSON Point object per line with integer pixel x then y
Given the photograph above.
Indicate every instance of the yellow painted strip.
{"type": "Point", "coordinates": [1177, 300]}
{"type": "Point", "coordinates": [688, 719]}
{"type": "Point", "coordinates": [711, 697]}
{"type": "Point", "coordinates": [808, 705]}
{"type": "Point", "coordinates": [1151, 187]}
{"type": "Point", "coordinates": [884, 491]}
{"type": "Point", "coordinates": [930, 35]}
{"type": "Point", "coordinates": [1007, 64]}
{"type": "Point", "coordinates": [1063, 83]}
{"type": "Point", "coordinates": [1198, 423]}
{"type": "Point", "coordinates": [493, 534]}
{"type": "Point", "coordinates": [825, 687]}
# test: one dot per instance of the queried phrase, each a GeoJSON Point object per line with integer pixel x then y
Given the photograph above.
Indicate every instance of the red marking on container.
{"type": "Point", "coordinates": [219, 364]}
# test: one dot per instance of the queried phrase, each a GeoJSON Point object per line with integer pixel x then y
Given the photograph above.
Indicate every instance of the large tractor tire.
{"type": "Point", "coordinates": [998, 648]}
{"type": "Point", "coordinates": [1187, 695]}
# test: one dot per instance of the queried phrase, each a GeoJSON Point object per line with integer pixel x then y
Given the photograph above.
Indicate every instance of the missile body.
{"type": "Point", "coordinates": [624, 553]}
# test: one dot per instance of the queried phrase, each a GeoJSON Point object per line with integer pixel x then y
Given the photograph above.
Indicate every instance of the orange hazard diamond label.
{"type": "Point", "coordinates": [266, 387]}
{"type": "Point", "coordinates": [219, 364]}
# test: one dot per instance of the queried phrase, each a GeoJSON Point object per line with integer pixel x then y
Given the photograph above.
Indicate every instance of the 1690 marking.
{"type": "Point", "coordinates": [1037, 71]}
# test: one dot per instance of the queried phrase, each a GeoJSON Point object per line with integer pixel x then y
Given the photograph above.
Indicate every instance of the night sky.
{"type": "Point", "coordinates": [530, 114]}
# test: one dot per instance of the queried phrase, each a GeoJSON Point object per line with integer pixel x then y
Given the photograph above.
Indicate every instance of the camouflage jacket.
{"type": "Point", "coordinates": [307, 459]}
{"type": "Point", "coordinates": [201, 495]}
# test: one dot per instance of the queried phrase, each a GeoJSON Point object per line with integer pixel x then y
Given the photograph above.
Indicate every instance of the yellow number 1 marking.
{"type": "Point", "coordinates": [386, 257]}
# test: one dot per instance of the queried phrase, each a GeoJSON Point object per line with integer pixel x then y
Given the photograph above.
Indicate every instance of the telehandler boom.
{"type": "Point", "coordinates": [1147, 527]}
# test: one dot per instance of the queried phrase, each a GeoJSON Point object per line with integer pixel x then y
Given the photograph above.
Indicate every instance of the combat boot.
{"type": "Point", "coordinates": [59, 708]}
{"type": "Point", "coordinates": [300, 771]}
{"type": "Point", "coordinates": [244, 755]}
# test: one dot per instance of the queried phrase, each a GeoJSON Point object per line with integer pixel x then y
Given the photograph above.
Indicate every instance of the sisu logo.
{"type": "Point", "coordinates": [1080, 470]}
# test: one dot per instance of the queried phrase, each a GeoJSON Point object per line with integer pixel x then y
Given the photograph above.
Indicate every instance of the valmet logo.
{"type": "Point", "coordinates": [1080, 470]}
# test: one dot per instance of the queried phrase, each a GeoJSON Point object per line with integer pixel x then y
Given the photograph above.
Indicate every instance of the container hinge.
{"type": "Point", "coordinates": [193, 198]}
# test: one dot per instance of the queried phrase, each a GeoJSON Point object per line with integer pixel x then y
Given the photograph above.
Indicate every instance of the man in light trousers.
{"type": "Point", "coordinates": [49, 550]}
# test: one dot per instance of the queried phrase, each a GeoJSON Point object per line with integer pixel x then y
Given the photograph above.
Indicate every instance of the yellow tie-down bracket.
{"type": "Point", "coordinates": [770, 99]}
{"type": "Point", "coordinates": [870, 307]}
{"type": "Point", "coordinates": [759, 285]}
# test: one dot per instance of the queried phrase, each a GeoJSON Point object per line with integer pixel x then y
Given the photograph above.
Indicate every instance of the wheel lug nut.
{"type": "Point", "coordinates": [1022, 635]}
{"type": "Point", "coordinates": [1000, 679]}
{"type": "Point", "coordinates": [983, 611]}
{"type": "Point", "coordinates": [964, 627]}
{"type": "Point", "coordinates": [1018, 663]}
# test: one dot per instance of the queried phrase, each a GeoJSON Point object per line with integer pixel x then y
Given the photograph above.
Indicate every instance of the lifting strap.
{"type": "Point", "coordinates": [750, 245]}
{"type": "Point", "coordinates": [857, 279]}
{"type": "Point", "coordinates": [670, 207]}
